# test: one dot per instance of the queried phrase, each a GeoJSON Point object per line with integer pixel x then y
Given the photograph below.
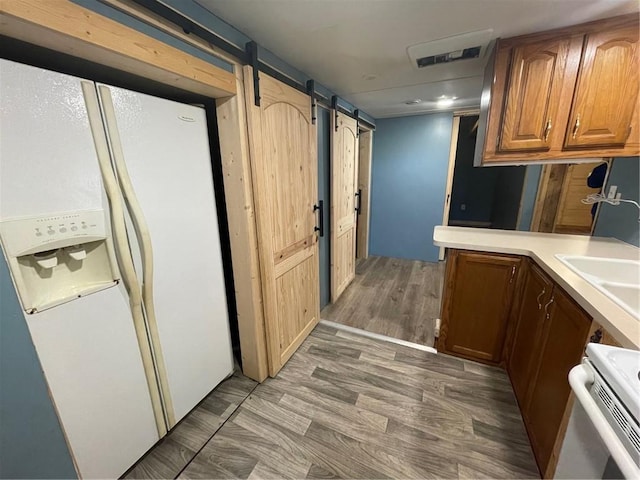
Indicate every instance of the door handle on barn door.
{"type": "Point", "coordinates": [320, 227]}
{"type": "Point", "coordinates": [359, 204]}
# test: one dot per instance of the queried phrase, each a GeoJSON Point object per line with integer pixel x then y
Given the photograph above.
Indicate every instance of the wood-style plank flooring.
{"type": "Point", "coordinates": [393, 297]}
{"type": "Point", "coordinates": [346, 406]}
{"type": "Point", "coordinates": [169, 457]}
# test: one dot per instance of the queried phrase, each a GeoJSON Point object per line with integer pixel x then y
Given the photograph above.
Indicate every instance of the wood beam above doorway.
{"type": "Point", "coordinates": [65, 27]}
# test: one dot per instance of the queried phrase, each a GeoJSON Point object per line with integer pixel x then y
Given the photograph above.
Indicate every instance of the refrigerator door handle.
{"type": "Point", "coordinates": [125, 260]}
{"type": "Point", "coordinates": [144, 241]}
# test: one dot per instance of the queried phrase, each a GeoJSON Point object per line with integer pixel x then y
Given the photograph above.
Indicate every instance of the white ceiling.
{"type": "Point", "coordinates": [358, 48]}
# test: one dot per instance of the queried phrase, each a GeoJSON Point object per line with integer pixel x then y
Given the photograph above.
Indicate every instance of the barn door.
{"type": "Point", "coordinates": [282, 142]}
{"type": "Point", "coordinates": [344, 187]}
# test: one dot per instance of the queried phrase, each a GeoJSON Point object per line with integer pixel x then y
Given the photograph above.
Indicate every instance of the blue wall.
{"type": "Point", "coordinates": [621, 221]}
{"type": "Point", "coordinates": [324, 193]}
{"type": "Point", "coordinates": [31, 440]}
{"type": "Point", "coordinates": [409, 174]}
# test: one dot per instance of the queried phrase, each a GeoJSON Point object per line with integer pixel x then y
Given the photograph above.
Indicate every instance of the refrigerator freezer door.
{"type": "Point", "coordinates": [166, 150]}
{"type": "Point", "coordinates": [48, 158]}
{"type": "Point", "coordinates": [87, 347]}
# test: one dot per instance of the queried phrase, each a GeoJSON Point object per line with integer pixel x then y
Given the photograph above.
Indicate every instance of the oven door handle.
{"type": "Point", "coordinates": [580, 377]}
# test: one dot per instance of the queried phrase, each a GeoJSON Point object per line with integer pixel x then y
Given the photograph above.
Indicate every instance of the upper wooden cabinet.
{"type": "Point", "coordinates": [533, 95]}
{"type": "Point", "coordinates": [562, 94]}
{"type": "Point", "coordinates": [607, 90]}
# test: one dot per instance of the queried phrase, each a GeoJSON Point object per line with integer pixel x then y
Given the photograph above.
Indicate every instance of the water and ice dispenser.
{"type": "Point", "coordinates": [57, 258]}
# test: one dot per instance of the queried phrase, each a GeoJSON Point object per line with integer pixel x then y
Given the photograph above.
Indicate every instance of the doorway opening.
{"type": "Point", "coordinates": [394, 297]}
{"type": "Point", "coordinates": [365, 148]}
{"type": "Point", "coordinates": [485, 197]}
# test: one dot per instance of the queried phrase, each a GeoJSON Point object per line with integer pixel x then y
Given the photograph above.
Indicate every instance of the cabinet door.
{"type": "Point", "coordinates": [564, 337]}
{"type": "Point", "coordinates": [478, 304]}
{"type": "Point", "coordinates": [533, 95]}
{"type": "Point", "coordinates": [536, 294]}
{"type": "Point", "coordinates": [607, 90]}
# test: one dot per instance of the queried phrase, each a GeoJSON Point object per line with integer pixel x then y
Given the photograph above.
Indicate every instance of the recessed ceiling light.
{"type": "Point", "coordinates": [443, 101]}
{"type": "Point", "coordinates": [415, 101]}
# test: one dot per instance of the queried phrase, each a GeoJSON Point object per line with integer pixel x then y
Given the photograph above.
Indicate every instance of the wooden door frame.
{"type": "Point", "coordinates": [365, 158]}
{"type": "Point", "coordinates": [66, 27]}
{"type": "Point", "coordinates": [453, 150]}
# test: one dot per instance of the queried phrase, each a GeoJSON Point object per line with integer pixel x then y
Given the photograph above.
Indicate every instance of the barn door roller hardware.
{"type": "Point", "coordinates": [311, 90]}
{"type": "Point", "coordinates": [356, 115]}
{"type": "Point", "coordinates": [252, 53]}
{"type": "Point", "coordinates": [334, 105]}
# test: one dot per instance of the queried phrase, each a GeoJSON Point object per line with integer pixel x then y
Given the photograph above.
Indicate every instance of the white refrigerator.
{"type": "Point", "coordinates": [108, 223]}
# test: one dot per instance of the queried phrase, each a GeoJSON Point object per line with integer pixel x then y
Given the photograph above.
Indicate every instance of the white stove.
{"type": "Point", "coordinates": [607, 387]}
{"type": "Point", "coordinates": [616, 391]}
{"type": "Point", "coordinates": [621, 370]}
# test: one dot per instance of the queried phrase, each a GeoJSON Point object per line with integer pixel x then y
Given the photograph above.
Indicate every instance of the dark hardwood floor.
{"type": "Point", "coordinates": [346, 406]}
{"type": "Point", "coordinates": [393, 297]}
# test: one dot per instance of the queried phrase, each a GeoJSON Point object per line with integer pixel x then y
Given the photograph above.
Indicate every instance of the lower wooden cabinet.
{"type": "Point", "coordinates": [529, 321]}
{"type": "Point", "coordinates": [549, 334]}
{"type": "Point", "coordinates": [565, 333]}
{"type": "Point", "coordinates": [479, 290]}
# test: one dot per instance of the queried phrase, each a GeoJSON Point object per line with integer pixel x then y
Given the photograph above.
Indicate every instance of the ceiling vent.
{"type": "Point", "coordinates": [451, 49]}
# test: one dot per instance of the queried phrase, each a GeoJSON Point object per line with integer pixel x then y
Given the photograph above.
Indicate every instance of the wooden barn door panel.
{"type": "Point", "coordinates": [344, 185]}
{"type": "Point", "coordinates": [283, 140]}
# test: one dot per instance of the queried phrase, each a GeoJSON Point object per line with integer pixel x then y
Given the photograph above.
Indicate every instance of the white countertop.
{"type": "Point", "coordinates": [542, 247]}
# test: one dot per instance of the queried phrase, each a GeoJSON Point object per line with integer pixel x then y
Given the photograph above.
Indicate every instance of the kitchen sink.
{"type": "Point", "coordinates": [628, 296]}
{"type": "Point", "coordinates": [613, 270]}
{"type": "Point", "coordinates": [618, 279]}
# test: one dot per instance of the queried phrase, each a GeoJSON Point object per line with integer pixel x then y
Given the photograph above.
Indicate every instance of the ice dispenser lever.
{"type": "Point", "coordinates": [47, 259]}
{"type": "Point", "coordinates": [77, 252]}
